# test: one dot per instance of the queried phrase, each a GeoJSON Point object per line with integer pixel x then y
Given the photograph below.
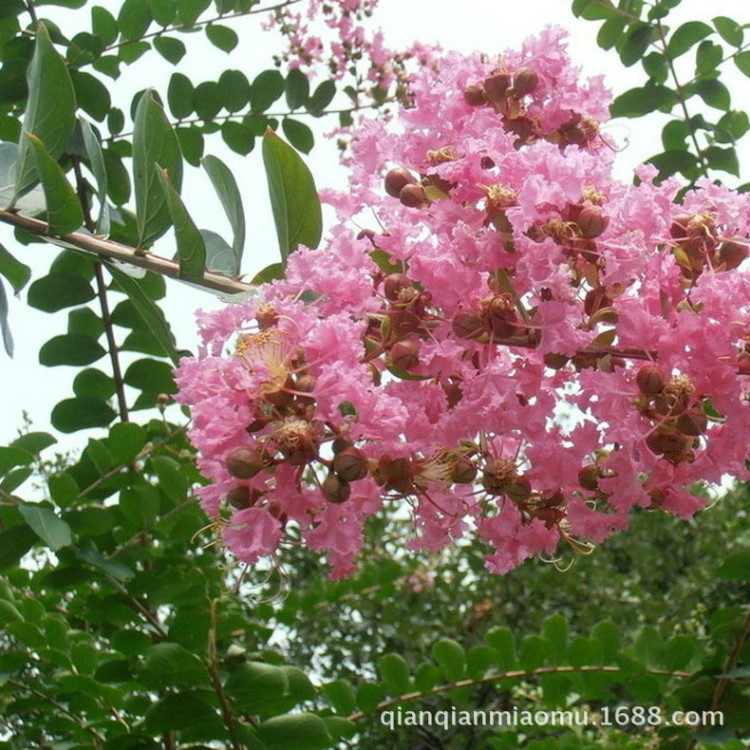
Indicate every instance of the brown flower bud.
{"type": "Point", "coordinates": [592, 222]}
{"type": "Point", "coordinates": [396, 180]}
{"type": "Point", "coordinates": [246, 462]}
{"type": "Point", "coordinates": [336, 490]}
{"type": "Point", "coordinates": [588, 478]}
{"type": "Point", "coordinates": [404, 355]}
{"type": "Point", "coordinates": [650, 380]}
{"type": "Point", "coordinates": [692, 423]}
{"type": "Point", "coordinates": [468, 325]}
{"type": "Point", "coordinates": [496, 87]}
{"type": "Point", "coordinates": [239, 497]}
{"type": "Point", "coordinates": [395, 473]}
{"type": "Point", "coordinates": [525, 81]}
{"type": "Point", "coordinates": [414, 196]}
{"type": "Point", "coordinates": [669, 444]}
{"type": "Point", "coordinates": [519, 489]}
{"type": "Point", "coordinates": [463, 470]}
{"type": "Point", "coordinates": [394, 283]}
{"type": "Point", "coordinates": [474, 95]}
{"type": "Point", "coordinates": [555, 361]}
{"type": "Point", "coordinates": [732, 252]}
{"type": "Point", "coordinates": [350, 464]}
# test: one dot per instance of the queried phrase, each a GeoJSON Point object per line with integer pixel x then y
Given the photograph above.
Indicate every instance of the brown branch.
{"type": "Point", "coordinates": [417, 695]}
{"type": "Point", "coordinates": [107, 249]}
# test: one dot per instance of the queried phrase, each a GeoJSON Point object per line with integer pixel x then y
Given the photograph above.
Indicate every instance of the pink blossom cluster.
{"type": "Point", "coordinates": [338, 37]}
{"type": "Point", "coordinates": [497, 337]}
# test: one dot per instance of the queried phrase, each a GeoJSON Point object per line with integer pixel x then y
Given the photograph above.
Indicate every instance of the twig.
{"type": "Point", "coordinates": [32, 11]}
{"type": "Point", "coordinates": [152, 619]}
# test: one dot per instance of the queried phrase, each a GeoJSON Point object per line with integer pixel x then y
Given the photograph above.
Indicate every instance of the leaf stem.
{"type": "Point", "coordinates": [135, 604]}
{"type": "Point", "coordinates": [32, 11]}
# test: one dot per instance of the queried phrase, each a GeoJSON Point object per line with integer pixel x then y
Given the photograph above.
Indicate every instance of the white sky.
{"type": "Point", "coordinates": [487, 25]}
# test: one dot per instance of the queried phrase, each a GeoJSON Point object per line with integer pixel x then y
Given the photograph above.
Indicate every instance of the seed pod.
{"type": "Point", "coordinates": [239, 497]}
{"type": "Point", "coordinates": [670, 444]}
{"type": "Point", "coordinates": [592, 222]}
{"type": "Point", "coordinates": [336, 490]}
{"type": "Point", "coordinates": [394, 283]}
{"type": "Point", "coordinates": [468, 325]}
{"type": "Point", "coordinates": [496, 87]}
{"type": "Point", "coordinates": [245, 462]}
{"type": "Point", "coordinates": [350, 464]}
{"type": "Point", "coordinates": [414, 196]}
{"type": "Point", "coordinates": [396, 180]}
{"type": "Point", "coordinates": [588, 478]}
{"type": "Point", "coordinates": [555, 361]}
{"type": "Point", "coordinates": [463, 470]}
{"type": "Point", "coordinates": [525, 81]}
{"type": "Point", "coordinates": [692, 423]}
{"type": "Point", "coordinates": [404, 355]}
{"type": "Point", "coordinates": [474, 95]}
{"type": "Point", "coordinates": [519, 489]}
{"type": "Point", "coordinates": [733, 252]}
{"type": "Point", "coordinates": [650, 380]}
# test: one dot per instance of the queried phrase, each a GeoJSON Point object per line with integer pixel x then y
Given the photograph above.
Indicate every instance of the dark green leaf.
{"type": "Point", "coordinates": [191, 144]}
{"type": "Point", "coordinates": [299, 135]}
{"type": "Point", "coordinates": [269, 273]}
{"type": "Point", "coordinates": [593, 10]}
{"type": "Point", "coordinates": [150, 313]}
{"type": "Point", "coordinates": [294, 199]}
{"type": "Point", "coordinates": [235, 90]}
{"type": "Point", "coordinates": [296, 88]}
{"type": "Point", "coordinates": [92, 95]}
{"type": "Point", "coordinates": [64, 212]}
{"type": "Point", "coordinates": [736, 566]}
{"type": "Point", "coordinates": [109, 65]}
{"type": "Point", "coordinates": [4, 325]}
{"type": "Point", "coordinates": [134, 19]}
{"type": "Point", "coordinates": [185, 712]}
{"type": "Point", "coordinates": [742, 61]}
{"type": "Point", "coordinates": [80, 413]}
{"type": "Point", "coordinates": [15, 542]}
{"type": "Point", "coordinates": [47, 525]}
{"type": "Point", "coordinates": [395, 672]}
{"type": "Point", "coordinates": [63, 489]}
{"type": "Point", "coordinates": [180, 95]}
{"type": "Point", "coordinates": [104, 25]}
{"type": "Point", "coordinates": [708, 57]}
{"type": "Point", "coordinates": [671, 162]}
{"type": "Point", "coordinates": [231, 200]}
{"type": "Point", "coordinates": [238, 137]}
{"type": "Point", "coordinates": [164, 12]}
{"type": "Point", "coordinates": [99, 170]}
{"type": "Point", "coordinates": [611, 32]}
{"type": "Point", "coordinates": [34, 442]}
{"type": "Point", "coordinates": [94, 384]}
{"type": "Point", "coordinates": [674, 135]}
{"type": "Point", "coordinates": [16, 272]}
{"type": "Point", "coordinates": [169, 665]}
{"type": "Point", "coordinates": [534, 652]}
{"type": "Point", "coordinates": [451, 657]}
{"type": "Point", "coordinates": [729, 30]}
{"type": "Point", "coordinates": [126, 441]}
{"type": "Point", "coordinates": [222, 37]}
{"type": "Point", "coordinates": [640, 101]}
{"type": "Point", "coordinates": [71, 349]}
{"type": "Point", "coordinates": [723, 159]}
{"type": "Point", "coordinates": [636, 43]}
{"type": "Point", "coordinates": [132, 51]}
{"type": "Point", "coordinates": [150, 375]}
{"type": "Point", "coordinates": [191, 249]}
{"type": "Point", "coordinates": [322, 97]}
{"type": "Point", "coordinates": [656, 66]}
{"type": "Point", "coordinates": [298, 731]}
{"type": "Point", "coordinates": [686, 36]}
{"type": "Point", "coordinates": [190, 10]}
{"type": "Point", "coordinates": [172, 50]}
{"type": "Point", "coordinates": [207, 100]}
{"type": "Point", "coordinates": [267, 87]}
{"type": "Point", "coordinates": [118, 179]}
{"type": "Point", "coordinates": [115, 120]}
{"type": "Point", "coordinates": [113, 568]}
{"type": "Point", "coordinates": [156, 150]}
{"type": "Point", "coordinates": [50, 111]}
{"type": "Point", "coordinates": [714, 93]}
{"type": "Point", "coordinates": [13, 456]}
{"type": "Point", "coordinates": [59, 290]}
{"type": "Point", "coordinates": [340, 695]}
{"type": "Point", "coordinates": [257, 687]}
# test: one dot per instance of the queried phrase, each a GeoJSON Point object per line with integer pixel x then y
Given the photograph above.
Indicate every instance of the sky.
{"type": "Point", "coordinates": [466, 25]}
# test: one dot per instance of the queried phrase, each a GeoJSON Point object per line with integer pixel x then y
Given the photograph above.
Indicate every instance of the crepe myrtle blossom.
{"type": "Point", "coordinates": [502, 279]}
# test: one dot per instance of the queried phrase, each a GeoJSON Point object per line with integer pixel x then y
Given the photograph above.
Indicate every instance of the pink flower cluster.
{"type": "Point", "coordinates": [516, 345]}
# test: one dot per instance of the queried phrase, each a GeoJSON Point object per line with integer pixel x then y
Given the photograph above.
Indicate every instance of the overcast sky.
{"type": "Point", "coordinates": [487, 25]}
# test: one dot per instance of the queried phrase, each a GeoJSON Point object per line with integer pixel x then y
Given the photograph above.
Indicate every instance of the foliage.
{"type": "Point", "coordinates": [123, 625]}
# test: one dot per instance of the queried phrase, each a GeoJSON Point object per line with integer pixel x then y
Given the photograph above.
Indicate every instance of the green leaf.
{"type": "Point", "coordinates": [534, 652]}
{"type": "Point", "coordinates": [708, 57]}
{"type": "Point", "coordinates": [155, 150]}
{"type": "Point", "coordinates": [322, 97]}
{"type": "Point", "coordinates": [636, 43]}
{"type": "Point", "coordinates": [395, 672]}
{"type": "Point", "coordinates": [235, 90]}
{"type": "Point", "coordinates": [222, 37]}
{"type": "Point", "coordinates": [150, 375]}
{"type": "Point", "coordinates": [219, 255]}
{"type": "Point", "coordinates": [502, 640]}
{"type": "Point", "coordinates": [80, 413]}
{"type": "Point", "coordinates": [150, 313]}
{"type": "Point", "coordinates": [191, 144]}
{"type": "Point", "coordinates": [104, 25]}
{"type": "Point", "coordinates": [686, 36]}
{"type": "Point", "coordinates": [643, 100]}
{"type": "Point", "coordinates": [231, 200]}
{"type": "Point", "coordinates": [299, 135]}
{"type": "Point", "coordinates": [134, 19]}
{"type": "Point", "coordinates": [714, 93]}
{"type": "Point", "coordinates": [59, 290]}
{"type": "Point", "coordinates": [191, 249]}
{"type": "Point", "coordinates": [729, 30]}
{"type": "Point", "coordinates": [294, 199]}
{"type": "Point", "coordinates": [92, 95]}
{"type": "Point", "coordinates": [131, 52]}
{"type": "Point", "coordinates": [4, 325]}
{"type": "Point", "coordinates": [93, 383]}
{"type": "Point", "coordinates": [296, 88]}
{"type": "Point", "coordinates": [341, 696]}
{"type": "Point", "coordinates": [180, 96]}
{"type": "Point", "coordinates": [169, 664]}
{"type": "Point", "coordinates": [723, 159]}
{"type": "Point", "coordinates": [266, 88]}
{"type": "Point", "coordinates": [15, 542]}
{"type": "Point", "coordinates": [71, 349]}
{"type": "Point", "coordinates": [593, 10]}
{"type": "Point", "coordinates": [269, 273]}
{"type": "Point", "coordinates": [674, 135]}
{"type": "Point", "coordinates": [17, 273]}
{"type": "Point", "coordinates": [298, 731]}
{"type": "Point", "coordinates": [50, 110]}
{"type": "Point", "coordinates": [207, 100]}
{"type": "Point", "coordinates": [113, 568]}
{"type": "Point", "coordinates": [257, 687]}
{"type": "Point", "coordinates": [163, 11]}
{"type": "Point", "coordinates": [736, 566]}
{"type": "Point", "coordinates": [611, 32]}
{"type": "Point", "coordinates": [99, 170]}
{"type": "Point", "coordinates": [742, 61]}
{"type": "Point", "coordinates": [64, 212]}
{"type": "Point", "coordinates": [182, 712]}
{"type": "Point", "coordinates": [190, 10]}
{"type": "Point", "coordinates": [238, 137]}
{"type": "Point", "coordinates": [172, 50]}
{"type": "Point", "coordinates": [451, 657]}
{"type": "Point", "coordinates": [47, 525]}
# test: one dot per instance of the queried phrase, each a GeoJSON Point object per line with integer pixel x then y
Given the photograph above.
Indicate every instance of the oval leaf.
{"type": "Point", "coordinates": [229, 195]}
{"type": "Point", "coordinates": [47, 525]}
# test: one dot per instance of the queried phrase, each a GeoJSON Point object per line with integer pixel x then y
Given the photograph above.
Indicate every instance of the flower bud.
{"type": "Point", "coordinates": [396, 180]}
{"type": "Point", "coordinates": [395, 473]}
{"type": "Point", "coordinates": [474, 95]}
{"type": "Point", "coordinates": [404, 355]}
{"type": "Point", "coordinates": [525, 81]}
{"type": "Point", "coordinates": [394, 283]}
{"type": "Point", "coordinates": [592, 222]}
{"type": "Point", "coordinates": [463, 470]}
{"type": "Point", "coordinates": [588, 477]}
{"type": "Point", "coordinates": [496, 87]}
{"type": "Point", "coordinates": [468, 325]}
{"type": "Point", "coordinates": [350, 464]}
{"type": "Point", "coordinates": [335, 490]}
{"type": "Point", "coordinates": [668, 444]}
{"type": "Point", "coordinates": [414, 196]}
{"type": "Point", "coordinates": [692, 423]}
{"type": "Point", "coordinates": [650, 380]}
{"type": "Point", "coordinates": [732, 252]}
{"type": "Point", "coordinates": [519, 489]}
{"type": "Point", "coordinates": [243, 497]}
{"type": "Point", "coordinates": [555, 361]}
{"type": "Point", "coordinates": [246, 462]}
